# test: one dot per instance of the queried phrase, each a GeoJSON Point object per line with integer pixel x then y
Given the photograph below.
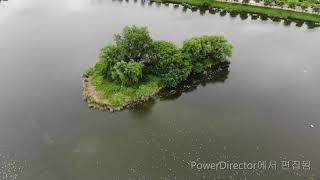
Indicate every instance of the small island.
{"type": "Point", "coordinates": [136, 67]}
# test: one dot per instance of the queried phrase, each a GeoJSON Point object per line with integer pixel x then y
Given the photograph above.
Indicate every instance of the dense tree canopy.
{"type": "Point", "coordinates": [135, 57]}
{"type": "Point", "coordinates": [135, 44]}
{"type": "Point", "coordinates": [206, 50]}
{"type": "Point", "coordinates": [110, 55]}
{"type": "Point", "coordinates": [170, 64]}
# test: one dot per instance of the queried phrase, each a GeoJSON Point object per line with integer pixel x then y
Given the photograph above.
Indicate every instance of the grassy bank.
{"type": "Point", "coordinates": [105, 95]}
{"type": "Point", "coordinates": [235, 7]}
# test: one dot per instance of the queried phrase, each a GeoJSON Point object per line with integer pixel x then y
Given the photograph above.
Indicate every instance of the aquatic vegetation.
{"type": "Point", "coordinates": [137, 67]}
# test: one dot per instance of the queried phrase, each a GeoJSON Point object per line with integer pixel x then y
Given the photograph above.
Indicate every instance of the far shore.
{"type": "Point", "coordinates": [250, 7]}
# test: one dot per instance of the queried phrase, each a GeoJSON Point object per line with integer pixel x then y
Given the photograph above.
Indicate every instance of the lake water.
{"type": "Point", "coordinates": [266, 108]}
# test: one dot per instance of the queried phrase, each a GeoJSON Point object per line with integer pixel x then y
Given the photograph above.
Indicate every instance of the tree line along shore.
{"type": "Point", "coordinates": [300, 10]}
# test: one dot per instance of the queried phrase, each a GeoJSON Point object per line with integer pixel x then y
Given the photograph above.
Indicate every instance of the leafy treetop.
{"type": "Point", "coordinates": [135, 57]}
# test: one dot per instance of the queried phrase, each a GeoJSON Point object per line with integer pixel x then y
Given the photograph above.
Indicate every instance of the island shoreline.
{"type": "Point", "coordinates": [91, 97]}
{"type": "Point", "coordinates": [91, 94]}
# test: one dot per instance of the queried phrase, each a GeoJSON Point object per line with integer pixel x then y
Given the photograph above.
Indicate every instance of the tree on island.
{"type": "Point", "coordinates": [136, 65]}
{"type": "Point", "coordinates": [135, 56]}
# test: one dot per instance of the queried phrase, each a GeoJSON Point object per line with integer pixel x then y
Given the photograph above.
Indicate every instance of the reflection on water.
{"type": "Point", "coordinates": [244, 15]}
{"type": "Point", "coordinates": [211, 76]}
{"type": "Point", "coordinates": [218, 74]}
{"type": "Point", "coordinates": [223, 13]}
{"type": "Point", "coordinates": [287, 22]}
{"type": "Point", "coordinates": [233, 14]}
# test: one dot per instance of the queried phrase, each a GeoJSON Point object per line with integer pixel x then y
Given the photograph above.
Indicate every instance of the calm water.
{"type": "Point", "coordinates": [266, 108]}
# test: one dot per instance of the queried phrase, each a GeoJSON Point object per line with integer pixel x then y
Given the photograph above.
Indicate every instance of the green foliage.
{"type": "Point", "coordinates": [137, 67]}
{"type": "Point", "coordinates": [206, 50]}
{"type": "Point", "coordinates": [123, 62]}
{"type": "Point", "coordinates": [136, 56]}
{"type": "Point", "coordinates": [117, 95]}
{"type": "Point", "coordinates": [126, 73]}
{"type": "Point", "coordinates": [135, 44]}
{"type": "Point", "coordinates": [89, 72]}
{"type": "Point", "coordinates": [109, 56]}
{"type": "Point", "coordinates": [198, 67]}
{"type": "Point", "coordinates": [170, 64]}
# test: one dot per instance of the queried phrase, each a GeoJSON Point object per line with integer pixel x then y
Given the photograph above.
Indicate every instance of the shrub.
{"type": "Point", "coordinates": [109, 55]}
{"type": "Point", "coordinates": [127, 73]}
{"type": "Point", "coordinates": [135, 44]}
{"type": "Point", "coordinates": [170, 64]}
{"type": "Point", "coordinates": [207, 50]}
